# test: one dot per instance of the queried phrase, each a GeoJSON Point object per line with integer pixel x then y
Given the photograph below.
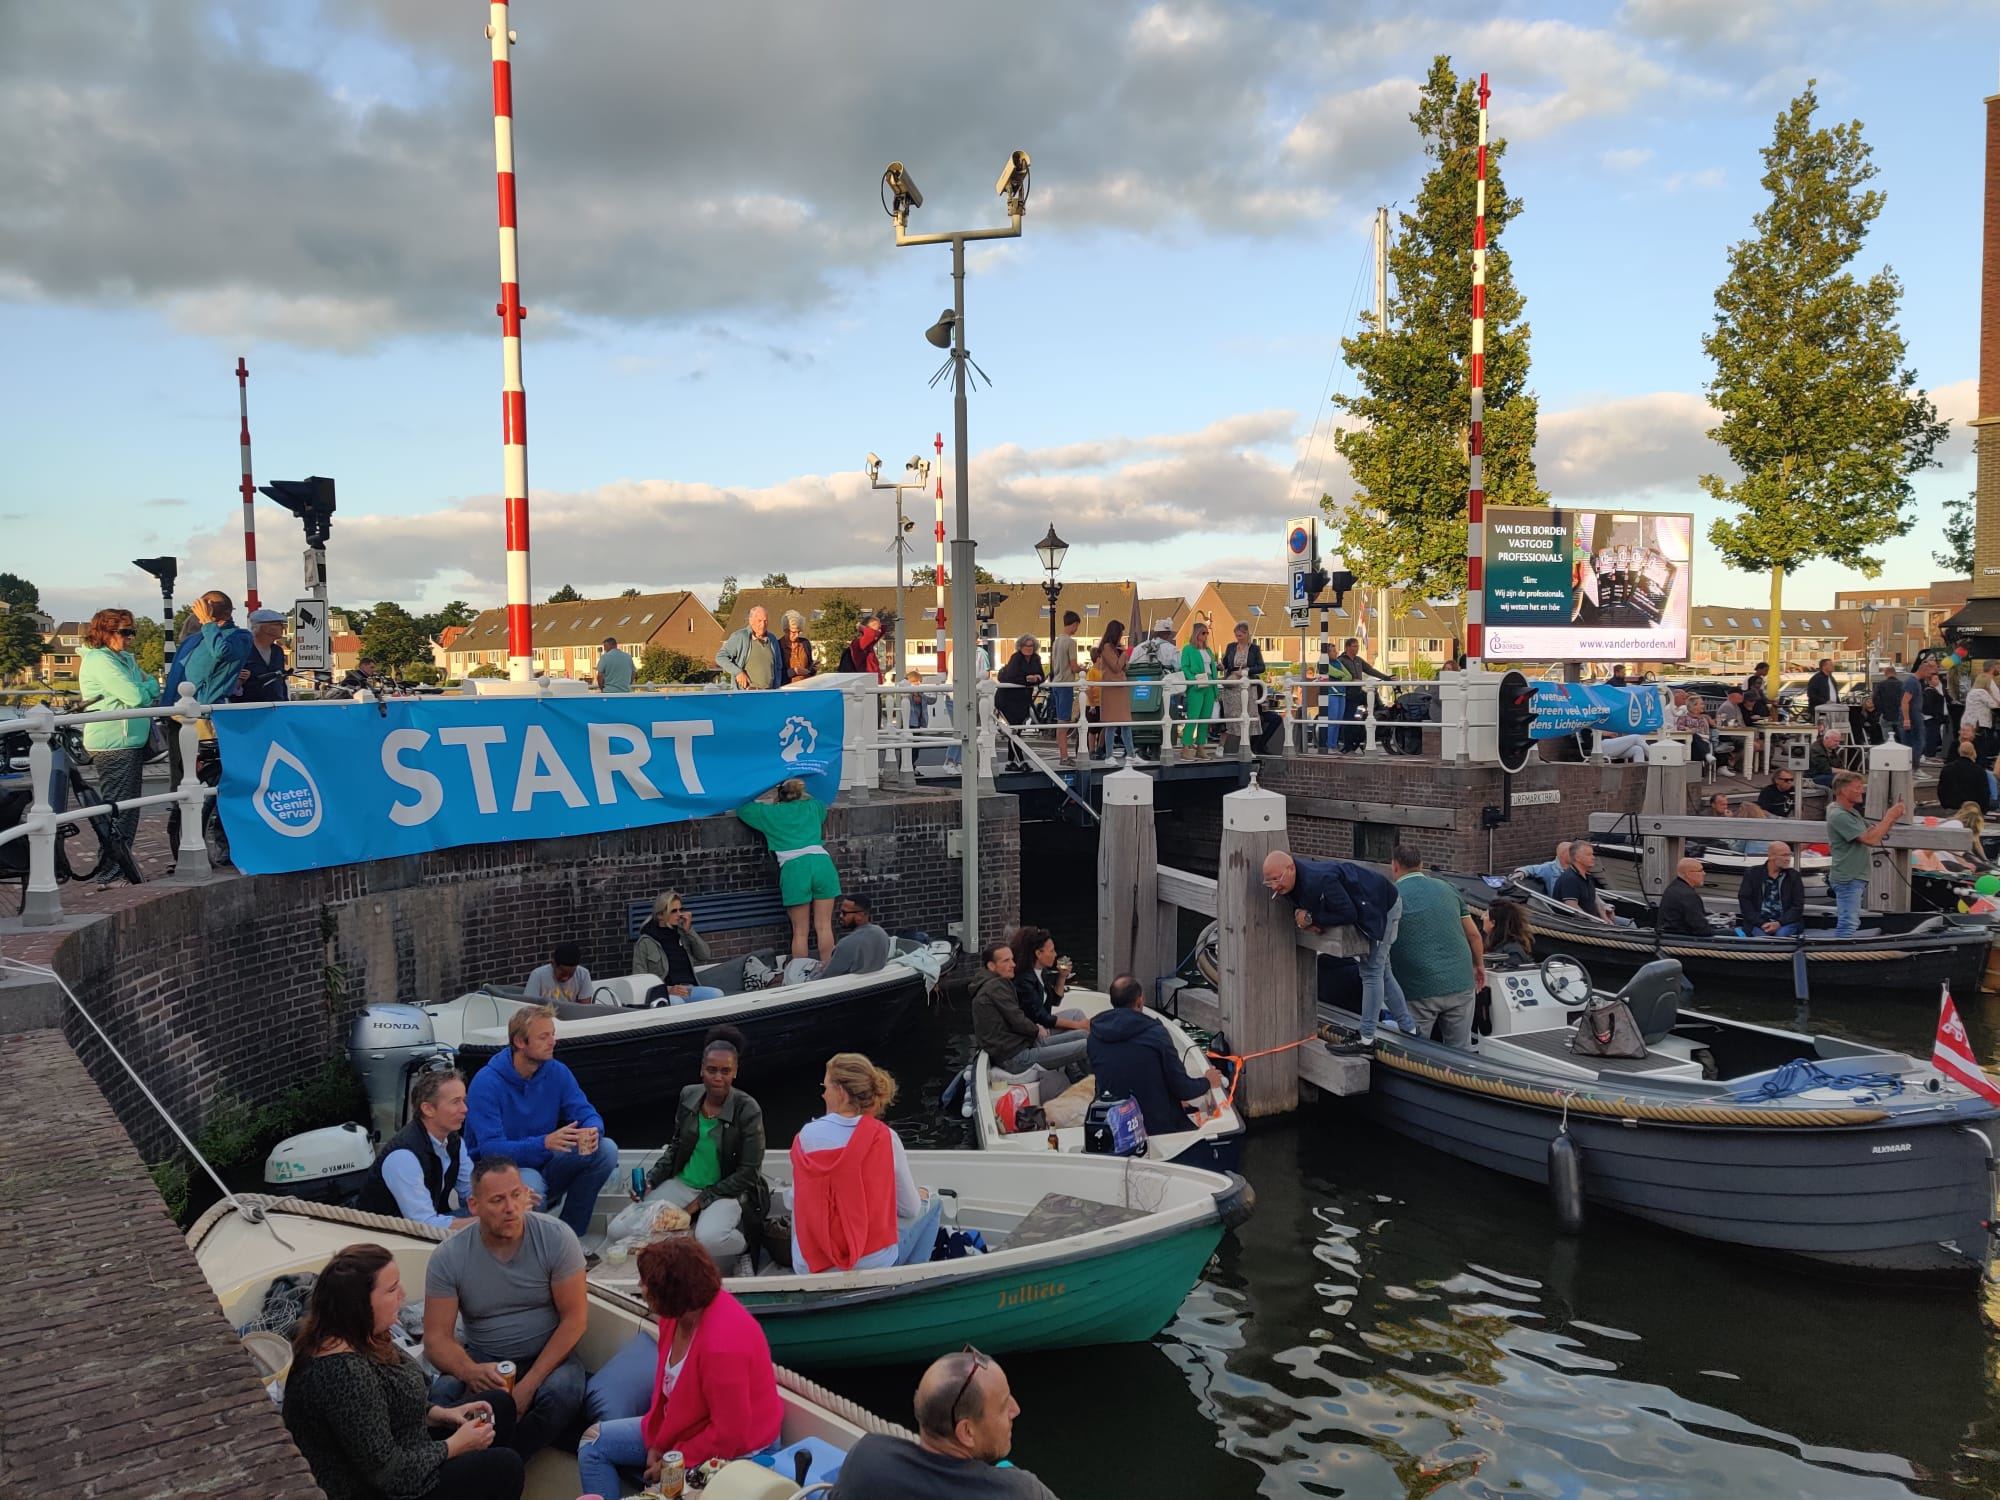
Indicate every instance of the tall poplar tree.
{"type": "Point", "coordinates": [1406, 526]}
{"type": "Point", "coordinates": [1820, 413]}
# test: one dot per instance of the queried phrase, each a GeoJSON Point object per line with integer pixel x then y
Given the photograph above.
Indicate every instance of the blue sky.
{"type": "Point", "coordinates": [720, 326]}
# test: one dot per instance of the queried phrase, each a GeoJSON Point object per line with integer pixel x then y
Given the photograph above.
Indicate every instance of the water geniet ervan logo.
{"type": "Point", "coordinates": [797, 738]}
{"type": "Point", "coordinates": [287, 798]}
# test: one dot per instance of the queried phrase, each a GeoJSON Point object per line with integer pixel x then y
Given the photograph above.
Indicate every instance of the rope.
{"type": "Point", "coordinates": [1803, 1074]}
{"type": "Point", "coordinates": [340, 1214]}
{"type": "Point", "coordinates": [1679, 951]}
{"type": "Point", "coordinates": [1240, 1059]}
{"type": "Point", "coordinates": [1620, 1108]}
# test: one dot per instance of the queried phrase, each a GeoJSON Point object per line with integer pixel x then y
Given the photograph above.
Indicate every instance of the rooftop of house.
{"type": "Point", "coordinates": [580, 622]}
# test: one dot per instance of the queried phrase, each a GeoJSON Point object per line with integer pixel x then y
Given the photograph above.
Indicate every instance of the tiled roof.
{"type": "Point", "coordinates": [583, 622]}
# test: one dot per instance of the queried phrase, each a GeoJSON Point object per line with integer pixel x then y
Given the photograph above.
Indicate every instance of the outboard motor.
{"type": "Point", "coordinates": [388, 1045]}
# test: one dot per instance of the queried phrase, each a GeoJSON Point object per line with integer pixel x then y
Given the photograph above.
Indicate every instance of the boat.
{"type": "Point", "coordinates": [1905, 955]}
{"type": "Point", "coordinates": [621, 1047]}
{"type": "Point", "coordinates": [1725, 864]}
{"type": "Point", "coordinates": [1832, 1152]}
{"type": "Point", "coordinates": [243, 1243]}
{"type": "Point", "coordinates": [1216, 1132]}
{"type": "Point", "coordinates": [1081, 1250]}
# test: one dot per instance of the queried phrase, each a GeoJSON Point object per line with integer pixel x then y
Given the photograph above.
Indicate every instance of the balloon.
{"type": "Point", "coordinates": [1988, 885]}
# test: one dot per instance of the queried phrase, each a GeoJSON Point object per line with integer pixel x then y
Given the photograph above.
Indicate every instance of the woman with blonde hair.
{"type": "Point", "coordinates": [669, 946]}
{"type": "Point", "coordinates": [110, 678]}
{"type": "Point", "coordinates": [854, 1202]}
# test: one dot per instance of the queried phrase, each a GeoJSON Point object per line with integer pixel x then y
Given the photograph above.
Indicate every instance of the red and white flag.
{"type": "Point", "coordinates": [1952, 1054]}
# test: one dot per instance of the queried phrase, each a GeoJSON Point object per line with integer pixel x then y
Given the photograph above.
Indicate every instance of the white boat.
{"type": "Point", "coordinates": [241, 1253]}
{"type": "Point", "coordinates": [1214, 1138]}
{"type": "Point", "coordinates": [620, 1047]}
{"type": "Point", "coordinates": [1080, 1250]}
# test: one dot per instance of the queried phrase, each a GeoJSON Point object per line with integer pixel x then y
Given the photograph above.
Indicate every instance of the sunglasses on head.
{"type": "Point", "coordinates": [980, 1363]}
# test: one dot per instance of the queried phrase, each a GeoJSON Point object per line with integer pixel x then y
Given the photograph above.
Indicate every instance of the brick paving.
{"type": "Point", "coordinates": [118, 1374]}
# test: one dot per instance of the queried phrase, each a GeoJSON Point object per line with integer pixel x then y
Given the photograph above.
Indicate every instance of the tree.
{"type": "Point", "coordinates": [726, 600]}
{"type": "Point", "coordinates": [148, 644]}
{"type": "Point", "coordinates": [393, 637]}
{"type": "Point", "coordinates": [565, 596]}
{"type": "Point", "coordinates": [357, 620]}
{"type": "Point", "coordinates": [487, 670]}
{"type": "Point", "coordinates": [928, 574]}
{"type": "Point", "coordinates": [838, 622]}
{"type": "Point", "coordinates": [1406, 526]}
{"type": "Point", "coordinates": [20, 642]}
{"type": "Point", "coordinates": [435, 624]}
{"type": "Point", "coordinates": [1820, 414]}
{"type": "Point", "coordinates": [630, 593]}
{"type": "Point", "coordinates": [774, 581]}
{"type": "Point", "coordinates": [663, 664]}
{"type": "Point", "coordinates": [18, 593]}
{"type": "Point", "coordinates": [1958, 554]}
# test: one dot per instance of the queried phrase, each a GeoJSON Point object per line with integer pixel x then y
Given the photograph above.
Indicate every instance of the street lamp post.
{"type": "Point", "coordinates": [920, 467]}
{"type": "Point", "coordinates": [1052, 550]}
{"type": "Point", "coordinates": [1868, 613]}
{"type": "Point", "coordinates": [900, 196]}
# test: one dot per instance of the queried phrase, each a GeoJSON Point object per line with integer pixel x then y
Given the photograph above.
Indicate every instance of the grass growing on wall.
{"type": "Point", "coordinates": [236, 1135]}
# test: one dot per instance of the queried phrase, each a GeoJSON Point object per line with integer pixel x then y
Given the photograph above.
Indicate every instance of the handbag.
{"type": "Point", "coordinates": [1607, 1030]}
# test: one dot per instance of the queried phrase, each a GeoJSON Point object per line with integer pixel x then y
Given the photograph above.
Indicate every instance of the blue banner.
{"type": "Point", "coordinates": [1565, 708]}
{"type": "Point", "coordinates": [310, 785]}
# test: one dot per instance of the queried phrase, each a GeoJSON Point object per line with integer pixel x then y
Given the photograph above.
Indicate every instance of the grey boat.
{"type": "Point", "coordinates": [1794, 1145]}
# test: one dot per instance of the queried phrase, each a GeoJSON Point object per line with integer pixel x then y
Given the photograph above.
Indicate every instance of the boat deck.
{"type": "Point", "coordinates": [1554, 1044]}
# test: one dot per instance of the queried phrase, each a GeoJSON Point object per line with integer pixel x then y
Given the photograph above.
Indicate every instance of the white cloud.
{"type": "Point", "coordinates": [1627, 158]}
{"type": "Point", "coordinates": [1700, 179]}
{"type": "Point", "coordinates": [1627, 446]}
{"type": "Point", "coordinates": [1702, 24]}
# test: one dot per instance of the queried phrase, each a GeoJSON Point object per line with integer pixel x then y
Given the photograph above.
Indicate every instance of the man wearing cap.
{"type": "Point", "coordinates": [1159, 649]}
{"type": "Point", "coordinates": [266, 683]}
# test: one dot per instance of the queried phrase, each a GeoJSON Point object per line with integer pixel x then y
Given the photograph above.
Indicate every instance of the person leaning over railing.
{"type": "Point", "coordinates": [110, 678]}
{"type": "Point", "coordinates": [214, 660]}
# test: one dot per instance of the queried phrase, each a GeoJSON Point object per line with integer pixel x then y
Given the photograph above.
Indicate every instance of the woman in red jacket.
{"type": "Point", "coordinates": [714, 1393]}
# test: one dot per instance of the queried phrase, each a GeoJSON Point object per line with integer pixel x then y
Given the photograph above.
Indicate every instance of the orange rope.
{"type": "Point", "coordinates": [1240, 1059]}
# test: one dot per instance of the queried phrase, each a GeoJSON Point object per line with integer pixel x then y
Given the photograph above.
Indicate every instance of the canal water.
{"type": "Point", "coordinates": [1394, 1322]}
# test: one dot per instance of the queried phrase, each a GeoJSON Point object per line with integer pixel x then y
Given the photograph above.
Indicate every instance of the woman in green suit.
{"type": "Point", "coordinates": [1198, 666]}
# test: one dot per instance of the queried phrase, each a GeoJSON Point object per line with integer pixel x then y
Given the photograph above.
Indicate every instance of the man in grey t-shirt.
{"type": "Point", "coordinates": [614, 668]}
{"type": "Point", "coordinates": [863, 948]}
{"type": "Point", "coordinates": [517, 1280]}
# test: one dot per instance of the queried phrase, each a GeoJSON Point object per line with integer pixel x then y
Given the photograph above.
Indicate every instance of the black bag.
{"type": "Point", "coordinates": [1608, 1030]}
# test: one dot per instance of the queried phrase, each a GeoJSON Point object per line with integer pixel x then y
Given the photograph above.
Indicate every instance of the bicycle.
{"type": "Point", "coordinates": [112, 855]}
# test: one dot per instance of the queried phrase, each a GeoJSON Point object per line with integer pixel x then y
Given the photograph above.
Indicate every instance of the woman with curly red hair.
{"type": "Point", "coordinates": [110, 678]}
{"type": "Point", "coordinates": [715, 1395]}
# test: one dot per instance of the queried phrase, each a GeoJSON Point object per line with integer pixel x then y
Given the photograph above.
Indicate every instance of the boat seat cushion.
{"type": "Point", "coordinates": [718, 911]}
{"type": "Point", "coordinates": [1055, 1216]}
{"type": "Point", "coordinates": [1654, 997]}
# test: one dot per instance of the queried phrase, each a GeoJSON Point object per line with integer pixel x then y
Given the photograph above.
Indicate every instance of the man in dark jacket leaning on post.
{"type": "Point", "coordinates": [1131, 1054]}
{"type": "Point", "coordinates": [1341, 894]}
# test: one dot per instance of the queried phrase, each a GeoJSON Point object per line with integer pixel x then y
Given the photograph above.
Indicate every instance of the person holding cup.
{"type": "Point", "coordinates": [526, 1106]}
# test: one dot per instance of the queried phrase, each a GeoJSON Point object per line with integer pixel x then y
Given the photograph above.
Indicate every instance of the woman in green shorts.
{"type": "Point", "coordinates": [790, 822]}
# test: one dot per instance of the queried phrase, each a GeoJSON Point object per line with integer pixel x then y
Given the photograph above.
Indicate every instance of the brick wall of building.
{"type": "Point", "coordinates": [225, 986]}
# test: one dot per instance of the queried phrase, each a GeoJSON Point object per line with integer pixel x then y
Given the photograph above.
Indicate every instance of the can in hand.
{"type": "Point", "coordinates": [673, 1473]}
{"type": "Point", "coordinates": [506, 1369]}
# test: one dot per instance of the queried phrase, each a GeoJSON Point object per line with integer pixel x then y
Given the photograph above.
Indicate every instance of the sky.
{"type": "Point", "coordinates": [721, 326]}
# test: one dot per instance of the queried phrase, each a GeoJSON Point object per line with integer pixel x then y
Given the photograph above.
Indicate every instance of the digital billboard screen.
{"type": "Point", "coordinates": [1586, 586]}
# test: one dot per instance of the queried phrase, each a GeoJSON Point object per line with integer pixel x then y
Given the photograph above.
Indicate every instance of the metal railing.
{"type": "Point", "coordinates": [1318, 721]}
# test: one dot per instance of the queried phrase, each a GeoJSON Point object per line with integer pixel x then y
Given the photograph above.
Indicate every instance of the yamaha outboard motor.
{"type": "Point", "coordinates": [389, 1045]}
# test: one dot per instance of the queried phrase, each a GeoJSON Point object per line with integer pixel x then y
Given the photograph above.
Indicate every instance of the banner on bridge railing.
{"type": "Point", "coordinates": [1565, 708]}
{"type": "Point", "coordinates": [311, 785]}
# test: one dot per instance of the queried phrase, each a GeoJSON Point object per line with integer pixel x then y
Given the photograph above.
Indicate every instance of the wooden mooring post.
{"type": "Point", "coordinates": [1129, 883]}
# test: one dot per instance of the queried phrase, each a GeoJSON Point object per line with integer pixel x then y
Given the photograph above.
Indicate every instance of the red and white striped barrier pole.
{"type": "Point", "coordinates": [1476, 493]}
{"type": "Point", "coordinates": [249, 493]}
{"type": "Point", "coordinates": [513, 399]}
{"type": "Point", "coordinates": [938, 579]}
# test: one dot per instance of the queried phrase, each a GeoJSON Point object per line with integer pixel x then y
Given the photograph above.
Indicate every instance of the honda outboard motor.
{"type": "Point", "coordinates": [389, 1045]}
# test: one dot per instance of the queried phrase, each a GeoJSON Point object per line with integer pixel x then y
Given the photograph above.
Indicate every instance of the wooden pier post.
{"type": "Point", "coordinates": [1264, 1002]}
{"type": "Point", "coordinates": [1667, 792]}
{"type": "Point", "coordinates": [1129, 882]}
{"type": "Point", "coordinates": [1891, 780]}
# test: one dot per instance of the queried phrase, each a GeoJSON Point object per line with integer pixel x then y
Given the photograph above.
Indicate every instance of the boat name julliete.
{"type": "Point", "coordinates": [1033, 1292]}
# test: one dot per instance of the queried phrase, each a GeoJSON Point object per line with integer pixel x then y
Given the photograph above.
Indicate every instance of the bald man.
{"type": "Point", "coordinates": [1771, 899]}
{"type": "Point", "coordinates": [1341, 894]}
{"type": "Point", "coordinates": [965, 1426]}
{"type": "Point", "coordinates": [1681, 909]}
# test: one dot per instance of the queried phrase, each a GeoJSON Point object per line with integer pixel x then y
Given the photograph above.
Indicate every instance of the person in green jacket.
{"type": "Point", "coordinates": [790, 820]}
{"type": "Point", "coordinates": [1198, 666]}
{"type": "Point", "coordinates": [713, 1165]}
{"type": "Point", "coordinates": [110, 679]}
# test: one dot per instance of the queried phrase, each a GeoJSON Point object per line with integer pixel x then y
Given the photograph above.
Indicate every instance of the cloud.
{"type": "Point", "coordinates": [1700, 178]}
{"type": "Point", "coordinates": [1701, 25]}
{"type": "Point", "coordinates": [1959, 403]}
{"type": "Point", "coordinates": [1627, 158]}
{"type": "Point", "coordinates": [165, 501]}
{"type": "Point", "coordinates": [1627, 446]}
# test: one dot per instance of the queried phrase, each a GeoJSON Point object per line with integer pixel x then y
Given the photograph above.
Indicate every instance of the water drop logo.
{"type": "Point", "coordinates": [287, 797]}
{"type": "Point", "coordinates": [796, 739]}
{"type": "Point", "coordinates": [1636, 712]}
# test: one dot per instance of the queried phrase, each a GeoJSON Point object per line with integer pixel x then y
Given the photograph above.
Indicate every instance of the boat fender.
{"type": "Point", "coordinates": [1566, 1182]}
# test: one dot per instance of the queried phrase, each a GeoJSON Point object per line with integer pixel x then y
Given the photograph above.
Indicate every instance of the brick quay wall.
{"type": "Point", "coordinates": [245, 985]}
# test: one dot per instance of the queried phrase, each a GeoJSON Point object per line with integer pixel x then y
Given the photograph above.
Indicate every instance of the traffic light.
{"type": "Point", "coordinates": [1319, 581]}
{"type": "Point", "coordinates": [311, 500]}
{"type": "Point", "coordinates": [1516, 714]}
{"type": "Point", "coordinates": [162, 569]}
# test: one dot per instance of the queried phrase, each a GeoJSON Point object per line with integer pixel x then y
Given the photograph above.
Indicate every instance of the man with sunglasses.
{"type": "Point", "coordinates": [965, 1427]}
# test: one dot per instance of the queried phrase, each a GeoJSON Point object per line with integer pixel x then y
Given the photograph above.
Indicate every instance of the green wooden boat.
{"type": "Point", "coordinates": [1084, 1250]}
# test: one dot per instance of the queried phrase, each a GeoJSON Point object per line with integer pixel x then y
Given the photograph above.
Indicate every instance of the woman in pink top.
{"type": "Point", "coordinates": [714, 1393]}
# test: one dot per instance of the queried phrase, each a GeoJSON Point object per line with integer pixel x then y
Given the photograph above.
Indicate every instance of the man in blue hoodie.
{"type": "Point", "coordinates": [527, 1106]}
{"type": "Point", "coordinates": [1131, 1054]}
{"type": "Point", "coordinates": [1342, 894]}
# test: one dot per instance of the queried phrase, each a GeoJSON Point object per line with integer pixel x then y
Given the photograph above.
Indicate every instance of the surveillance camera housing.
{"type": "Point", "coordinates": [1013, 182]}
{"type": "Point", "coordinates": [872, 463]}
{"type": "Point", "coordinates": [902, 187]}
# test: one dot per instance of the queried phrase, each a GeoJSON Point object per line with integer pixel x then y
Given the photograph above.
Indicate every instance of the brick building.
{"type": "Point", "coordinates": [570, 637]}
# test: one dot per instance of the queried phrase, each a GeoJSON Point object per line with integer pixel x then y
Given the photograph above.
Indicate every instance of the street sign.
{"type": "Point", "coordinates": [1302, 558]}
{"type": "Point", "coordinates": [1300, 617]}
{"type": "Point", "coordinates": [309, 637]}
{"type": "Point", "coordinates": [1536, 798]}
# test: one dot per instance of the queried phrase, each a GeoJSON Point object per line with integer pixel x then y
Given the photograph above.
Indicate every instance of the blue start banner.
{"type": "Point", "coordinates": [1565, 708]}
{"type": "Point", "coordinates": [310, 785]}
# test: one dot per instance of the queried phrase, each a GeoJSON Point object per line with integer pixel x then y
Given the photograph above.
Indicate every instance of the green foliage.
{"type": "Point", "coordinates": [357, 620]}
{"type": "Point", "coordinates": [435, 624]}
{"type": "Point", "coordinates": [1821, 416]}
{"type": "Point", "coordinates": [565, 595]}
{"type": "Point", "coordinates": [1408, 455]}
{"type": "Point", "coordinates": [1958, 555]}
{"type": "Point", "coordinates": [663, 664]}
{"type": "Point", "coordinates": [928, 575]}
{"type": "Point", "coordinates": [629, 593]}
{"type": "Point", "coordinates": [393, 638]}
{"type": "Point", "coordinates": [487, 670]}
{"type": "Point", "coordinates": [422, 672]}
{"type": "Point", "coordinates": [148, 644]}
{"type": "Point", "coordinates": [726, 599]}
{"type": "Point", "coordinates": [839, 620]}
{"type": "Point", "coordinates": [774, 581]}
{"type": "Point", "coordinates": [171, 1179]}
{"type": "Point", "coordinates": [20, 642]}
{"type": "Point", "coordinates": [19, 593]}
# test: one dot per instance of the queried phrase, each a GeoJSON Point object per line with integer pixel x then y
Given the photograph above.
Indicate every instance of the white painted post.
{"type": "Point", "coordinates": [989, 734]}
{"type": "Point", "coordinates": [1263, 1002]}
{"type": "Point", "coordinates": [1371, 748]}
{"type": "Point", "coordinates": [1890, 779]}
{"type": "Point", "coordinates": [1666, 793]}
{"type": "Point", "coordinates": [1129, 878]}
{"type": "Point", "coordinates": [40, 903]}
{"type": "Point", "coordinates": [859, 762]}
{"type": "Point", "coordinates": [191, 859]}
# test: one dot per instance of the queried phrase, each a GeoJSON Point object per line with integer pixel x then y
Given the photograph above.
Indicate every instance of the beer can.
{"type": "Point", "coordinates": [506, 1369]}
{"type": "Point", "coordinates": [673, 1473]}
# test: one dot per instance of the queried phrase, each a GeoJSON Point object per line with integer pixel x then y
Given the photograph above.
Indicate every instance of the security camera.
{"type": "Point", "coordinates": [873, 465]}
{"type": "Point", "coordinates": [902, 187]}
{"type": "Point", "coordinates": [1013, 182]}
{"type": "Point", "coordinates": [918, 462]}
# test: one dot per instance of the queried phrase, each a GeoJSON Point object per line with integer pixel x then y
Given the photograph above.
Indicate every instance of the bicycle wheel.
{"type": "Point", "coordinates": [215, 836]}
{"type": "Point", "coordinates": [112, 853]}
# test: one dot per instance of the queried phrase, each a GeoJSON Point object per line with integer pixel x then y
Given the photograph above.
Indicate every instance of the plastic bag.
{"type": "Point", "coordinates": [1008, 1103]}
